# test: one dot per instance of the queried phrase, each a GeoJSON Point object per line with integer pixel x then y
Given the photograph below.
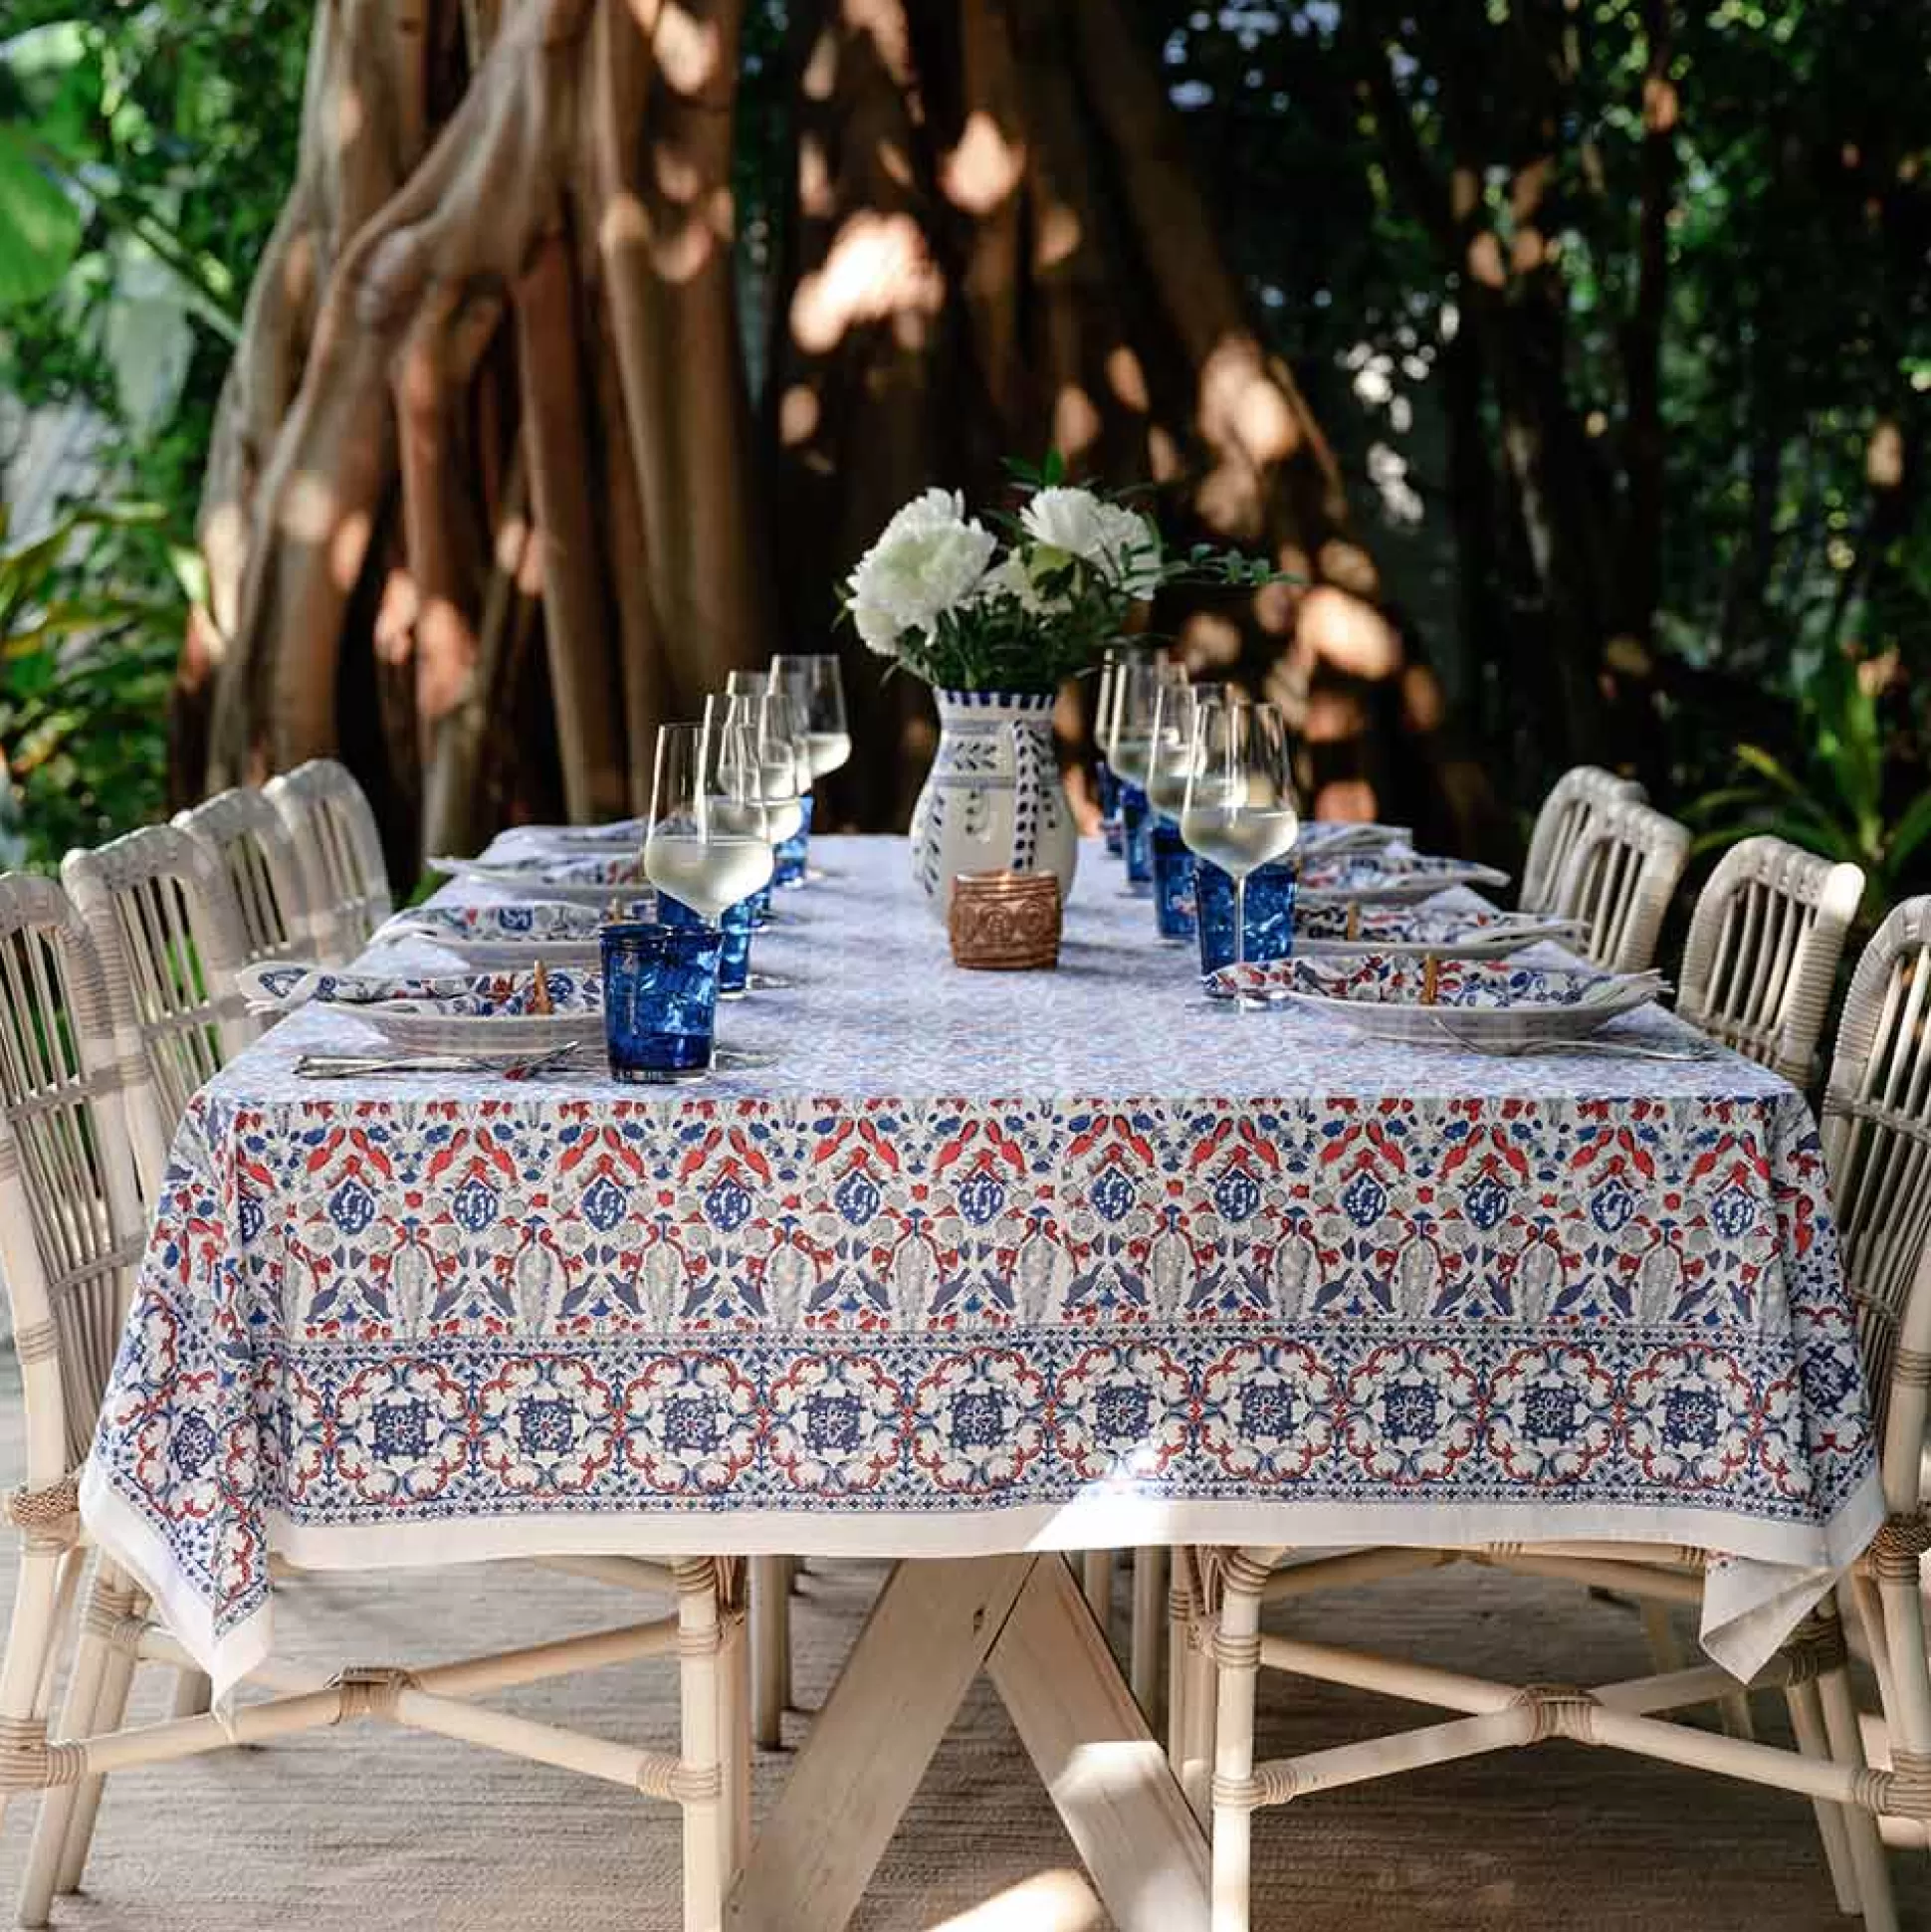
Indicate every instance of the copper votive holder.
{"type": "Point", "coordinates": [1005, 922]}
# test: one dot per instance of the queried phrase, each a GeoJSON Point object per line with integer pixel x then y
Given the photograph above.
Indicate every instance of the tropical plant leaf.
{"type": "Point", "coordinates": [40, 227]}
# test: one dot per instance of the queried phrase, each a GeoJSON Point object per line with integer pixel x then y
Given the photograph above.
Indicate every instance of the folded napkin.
{"type": "Point", "coordinates": [535, 922]}
{"type": "Point", "coordinates": [1393, 865]}
{"type": "Point", "coordinates": [1383, 978]}
{"type": "Point", "coordinates": [282, 987]}
{"type": "Point", "coordinates": [619, 871]}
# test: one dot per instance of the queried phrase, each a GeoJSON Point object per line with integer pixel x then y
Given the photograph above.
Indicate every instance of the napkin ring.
{"type": "Point", "coordinates": [1005, 921]}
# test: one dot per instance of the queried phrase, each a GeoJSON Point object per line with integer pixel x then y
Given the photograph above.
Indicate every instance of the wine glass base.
{"type": "Point", "coordinates": [761, 982]}
{"type": "Point", "coordinates": [659, 1077]}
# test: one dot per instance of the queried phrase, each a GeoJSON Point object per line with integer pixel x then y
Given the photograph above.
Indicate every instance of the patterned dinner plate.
{"type": "Point", "coordinates": [559, 931]}
{"type": "Point", "coordinates": [1488, 1004]}
{"type": "Point", "coordinates": [589, 880]}
{"type": "Point", "coordinates": [485, 1016]}
{"type": "Point", "coordinates": [1387, 877]}
{"type": "Point", "coordinates": [1335, 928]}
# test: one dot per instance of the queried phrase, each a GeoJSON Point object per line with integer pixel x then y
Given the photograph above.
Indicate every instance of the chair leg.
{"type": "Point", "coordinates": [707, 1834]}
{"type": "Point", "coordinates": [734, 1725]}
{"type": "Point", "coordinates": [94, 1704]}
{"type": "Point", "coordinates": [771, 1647]}
{"type": "Point", "coordinates": [1806, 1723]}
{"type": "Point", "coordinates": [194, 1694]}
{"type": "Point", "coordinates": [1201, 1713]}
{"type": "Point", "coordinates": [1236, 1659]}
{"type": "Point", "coordinates": [32, 1633]}
{"type": "Point", "coordinates": [1149, 1608]}
{"type": "Point", "coordinates": [1867, 1857]}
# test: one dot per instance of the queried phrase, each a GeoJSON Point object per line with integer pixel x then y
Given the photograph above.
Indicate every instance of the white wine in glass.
{"type": "Point", "coordinates": [1238, 810]}
{"type": "Point", "coordinates": [1137, 684]}
{"type": "Point", "coordinates": [814, 686]}
{"type": "Point", "coordinates": [1174, 749]}
{"type": "Point", "coordinates": [707, 843]}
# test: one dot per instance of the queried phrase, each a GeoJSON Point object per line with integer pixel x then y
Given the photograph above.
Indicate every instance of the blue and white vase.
{"type": "Point", "coordinates": [993, 800]}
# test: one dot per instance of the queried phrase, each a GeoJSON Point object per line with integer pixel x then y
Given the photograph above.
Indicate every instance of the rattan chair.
{"type": "Point", "coordinates": [1762, 951]}
{"type": "Point", "coordinates": [340, 849]}
{"type": "Point", "coordinates": [1878, 1139]}
{"type": "Point", "coordinates": [168, 933]}
{"type": "Point", "coordinates": [71, 1226]}
{"type": "Point", "coordinates": [1575, 802]}
{"type": "Point", "coordinates": [257, 850]}
{"type": "Point", "coordinates": [1618, 880]}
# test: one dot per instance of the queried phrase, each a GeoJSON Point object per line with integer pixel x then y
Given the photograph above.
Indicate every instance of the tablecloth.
{"type": "Point", "coordinates": [987, 1263]}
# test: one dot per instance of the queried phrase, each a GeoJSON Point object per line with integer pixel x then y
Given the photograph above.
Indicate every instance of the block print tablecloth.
{"type": "Point", "coordinates": [987, 1263]}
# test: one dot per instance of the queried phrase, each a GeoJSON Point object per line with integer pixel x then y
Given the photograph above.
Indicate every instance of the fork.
{"type": "Point", "coordinates": [343, 1066]}
{"type": "Point", "coordinates": [1559, 1043]}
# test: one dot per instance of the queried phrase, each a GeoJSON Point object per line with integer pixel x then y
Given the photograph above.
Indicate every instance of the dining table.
{"type": "Point", "coordinates": [968, 1269]}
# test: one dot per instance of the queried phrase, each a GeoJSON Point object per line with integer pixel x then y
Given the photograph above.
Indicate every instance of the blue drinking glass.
{"type": "Point", "coordinates": [660, 999]}
{"type": "Point", "coordinates": [1110, 828]}
{"type": "Point", "coordinates": [737, 925]}
{"type": "Point", "coordinates": [789, 854]}
{"type": "Point", "coordinates": [1136, 827]}
{"type": "Point", "coordinates": [1270, 913]}
{"type": "Point", "coordinates": [1172, 879]}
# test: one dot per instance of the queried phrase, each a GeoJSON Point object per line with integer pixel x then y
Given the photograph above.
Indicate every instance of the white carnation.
{"type": "Point", "coordinates": [1120, 543]}
{"type": "Point", "coordinates": [1011, 578]}
{"type": "Point", "coordinates": [929, 559]}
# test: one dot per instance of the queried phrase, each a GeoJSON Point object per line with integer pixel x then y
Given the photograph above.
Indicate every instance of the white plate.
{"type": "Point", "coordinates": [1485, 1003]}
{"type": "Point", "coordinates": [495, 1038]}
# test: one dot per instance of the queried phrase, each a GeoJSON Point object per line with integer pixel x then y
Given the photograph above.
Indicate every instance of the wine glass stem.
{"type": "Point", "coordinates": [1239, 936]}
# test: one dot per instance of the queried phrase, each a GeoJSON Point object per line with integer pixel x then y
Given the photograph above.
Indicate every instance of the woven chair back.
{"type": "Point", "coordinates": [1575, 802]}
{"type": "Point", "coordinates": [1878, 1139]}
{"type": "Point", "coordinates": [340, 849]}
{"type": "Point", "coordinates": [1764, 945]}
{"type": "Point", "coordinates": [71, 1225]}
{"type": "Point", "coordinates": [1619, 881]}
{"type": "Point", "coordinates": [257, 851]}
{"type": "Point", "coordinates": [168, 933]}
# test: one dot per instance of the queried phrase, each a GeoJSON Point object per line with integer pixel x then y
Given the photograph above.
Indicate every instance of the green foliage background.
{"type": "Point", "coordinates": [1795, 608]}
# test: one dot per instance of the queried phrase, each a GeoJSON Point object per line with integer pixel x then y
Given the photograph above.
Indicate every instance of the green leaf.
{"type": "Point", "coordinates": [53, 87]}
{"type": "Point", "coordinates": [39, 228]}
{"type": "Point", "coordinates": [1910, 831]}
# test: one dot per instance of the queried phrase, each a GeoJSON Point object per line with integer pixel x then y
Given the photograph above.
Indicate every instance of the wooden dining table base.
{"type": "Point", "coordinates": [935, 1624]}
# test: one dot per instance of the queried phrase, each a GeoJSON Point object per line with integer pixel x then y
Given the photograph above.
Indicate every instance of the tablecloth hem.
{"type": "Point", "coordinates": [132, 1541]}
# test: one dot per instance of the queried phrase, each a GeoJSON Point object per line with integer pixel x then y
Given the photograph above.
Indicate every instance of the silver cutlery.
{"type": "Point", "coordinates": [1595, 1044]}
{"type": "Point", "coordinates": [342, 1066]}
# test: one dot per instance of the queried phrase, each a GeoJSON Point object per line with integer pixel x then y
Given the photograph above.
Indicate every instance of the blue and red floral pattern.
{"type": "Point", "coordinates": [414, 1306]}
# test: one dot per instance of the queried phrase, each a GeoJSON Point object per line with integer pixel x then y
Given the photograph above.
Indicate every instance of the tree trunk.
{"type": "Point", "coordinates": [486, 501]}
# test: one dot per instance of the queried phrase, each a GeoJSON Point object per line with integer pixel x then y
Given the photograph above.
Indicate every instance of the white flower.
{"type": "Point", "coordinates": [927, 560]}
{"type": "Point", "coordinates": [1009, 577]}
{"type": "Point", "coordinates": [1120, 543]}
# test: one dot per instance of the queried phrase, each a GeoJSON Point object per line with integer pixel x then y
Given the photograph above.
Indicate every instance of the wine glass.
{"type": "Point", "coordinates": [1174, 748]}
{"type": "Point", "coordinates": [1137, 684]}
{"type": "Point", "coordinates": [709, 841]}
{"type": "Point", "coordinates": [813, 684]}
{"type": "Point", "coordinates": [783, 761]}
{"type": "Point", "coordinates": [1237, 810]}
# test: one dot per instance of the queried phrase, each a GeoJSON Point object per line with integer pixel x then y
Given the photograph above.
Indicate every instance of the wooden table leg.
{"type": "Point", "coordinates": [1107, 1772]}
{"type": "Point", "coordinates": [935, 1626]}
